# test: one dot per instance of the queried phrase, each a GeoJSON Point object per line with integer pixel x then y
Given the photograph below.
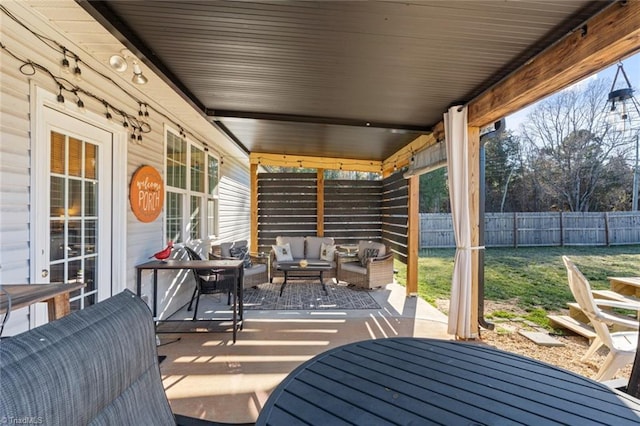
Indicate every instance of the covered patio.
{"type": "Point", "coordinates": [374, 87]}
{"type": "Point", "coordinates": [378, 87]}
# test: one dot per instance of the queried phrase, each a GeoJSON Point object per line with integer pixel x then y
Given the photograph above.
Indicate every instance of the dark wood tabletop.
{"type": "Point", "coordinates": [192, 264]}
{"type": "Point", "coordinates": [413, 381]}
{"type": "Point", "coordinates": [56, 295]}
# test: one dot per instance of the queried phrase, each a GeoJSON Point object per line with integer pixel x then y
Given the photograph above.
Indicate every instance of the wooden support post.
{"type": "Point", "coordinates": [58, 306]}
{"type": "Point", "coordinates": [254, 208]}
{"type": "Point", "coordinates": [474, 217]}
{"type": "Point", "coordinates": [320, 202]}
{"type": "Point", "coordinates": [413, 236]}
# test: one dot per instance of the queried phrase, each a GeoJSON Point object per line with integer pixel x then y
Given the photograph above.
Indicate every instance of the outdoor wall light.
{"type": "Point", "coordinates": [119, 63]}
{"type": "Point", "coordinates": [138, 78]}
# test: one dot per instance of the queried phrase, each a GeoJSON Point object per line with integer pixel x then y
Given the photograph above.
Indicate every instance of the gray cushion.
{"type": "Point", "coordinates": [97, 366]}
{"type": "Point", "coordinates": [225, 249]}
{"type": "Point", "coordinates": [255, 268]}
{"type": "Point", "coordinates": [296, 243]}
{"type": "Point", "coordinates": [314, 245]}
{"type": "Point", "coordinates": [354, 267]}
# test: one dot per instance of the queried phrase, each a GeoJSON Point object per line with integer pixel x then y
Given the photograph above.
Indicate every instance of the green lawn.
{"type": "Point", "coordinates": [534, 277]}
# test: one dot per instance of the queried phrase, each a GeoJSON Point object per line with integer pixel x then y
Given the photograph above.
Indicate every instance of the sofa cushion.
{"type": "Point", "coordinates": [283, 252]}
{"type": "Point", "coordinates": [314, 246]}
{"type": "Point", "coordinates": [327, 252]}
{"type": "Point", "coordinates": [225, 250]}
{"type": "Point", "coordinates": [256, 268]}
{"type": "Point", "coordinates": [354, 267]}
{"type": "Point", "coordinates": [296, 245]}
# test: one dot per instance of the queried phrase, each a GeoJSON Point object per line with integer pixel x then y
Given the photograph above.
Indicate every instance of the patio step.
{"type": "Point", "coordinates": [574, 325]}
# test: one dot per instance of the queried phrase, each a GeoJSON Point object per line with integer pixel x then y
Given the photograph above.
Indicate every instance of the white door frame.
{"type": "Point", "coordinates": [118, 214]}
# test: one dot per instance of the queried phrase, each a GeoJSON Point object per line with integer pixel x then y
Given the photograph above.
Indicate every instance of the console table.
{"type": "Point", "coordinates": [230, 265]}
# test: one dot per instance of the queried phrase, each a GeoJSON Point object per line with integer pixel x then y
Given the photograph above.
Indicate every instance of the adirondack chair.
{"type": "Point", "coordinates": [622, 344]}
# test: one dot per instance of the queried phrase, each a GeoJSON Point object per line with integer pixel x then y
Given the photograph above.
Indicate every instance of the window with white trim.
{"type": "Point", "coordinates": [192, 190]}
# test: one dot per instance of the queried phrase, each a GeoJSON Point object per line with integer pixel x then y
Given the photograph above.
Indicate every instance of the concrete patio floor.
{"type": "Point", "coordinates": [207, 376]}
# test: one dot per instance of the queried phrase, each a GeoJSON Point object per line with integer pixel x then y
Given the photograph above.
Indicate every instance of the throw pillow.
{"type": "Point", "coordinates": [241, 253]}
{"type": "Point", "coordinates": [283, 253]}
{"type": "Point", "coordinates": [327, 252]}
{"type": "Point", "coordinates": [368, 254]}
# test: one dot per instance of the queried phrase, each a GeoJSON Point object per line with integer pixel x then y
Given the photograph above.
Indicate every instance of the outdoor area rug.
{"type": "Point", "coordinates": [301, 295]}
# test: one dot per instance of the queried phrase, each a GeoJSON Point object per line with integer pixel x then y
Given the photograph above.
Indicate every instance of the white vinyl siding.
{"type": "Point", "coordinates": [136, 241]}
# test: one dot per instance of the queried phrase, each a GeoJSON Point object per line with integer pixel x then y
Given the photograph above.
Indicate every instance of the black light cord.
{"type": "Point", "coordinates": [30, 68]}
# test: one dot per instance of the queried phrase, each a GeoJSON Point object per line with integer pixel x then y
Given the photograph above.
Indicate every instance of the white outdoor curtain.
{"type": "Point", "coordinates": [457, 140]}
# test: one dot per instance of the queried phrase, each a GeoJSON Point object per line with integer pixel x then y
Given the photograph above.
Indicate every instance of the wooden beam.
{"type": "Point", "coordinates": [413, 236]}
{"type": "Point", "coordinates": [320, 202]}
{"type": "Point", "coordinates": [348, 164]}
{"type": "Point", "coordinates": [253, 170]}
{"type": "Point", "coordinates": [402, 157]}
{"type": "Point", "coordinates": [474, 215]}
{"type": "Point", "coordinates": [606, 38]}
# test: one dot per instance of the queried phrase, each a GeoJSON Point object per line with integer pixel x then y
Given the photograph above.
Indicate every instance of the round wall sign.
{"type": "Point", "coordinates": [146, 194]}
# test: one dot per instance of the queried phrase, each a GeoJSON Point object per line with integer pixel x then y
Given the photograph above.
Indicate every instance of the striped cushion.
{"type": "Point", "coordinates": [97, 366]}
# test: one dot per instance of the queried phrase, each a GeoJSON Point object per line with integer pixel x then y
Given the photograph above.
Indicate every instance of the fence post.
{"type": "Point", "coordinates": [561, 229]}
{"type": "Point", "coordinates": [606, 229]}
{"type": "Point", "coordinates": [515, 230]}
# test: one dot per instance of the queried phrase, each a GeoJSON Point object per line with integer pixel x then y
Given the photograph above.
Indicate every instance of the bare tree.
{"type": "Point", "coordinates": [570, 141]}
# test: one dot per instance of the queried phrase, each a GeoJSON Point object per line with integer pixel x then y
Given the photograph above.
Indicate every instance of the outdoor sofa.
{"type": "Point", "coordinates": [97, 366]}
{"type": "Point", "coordinates": [313, 249]}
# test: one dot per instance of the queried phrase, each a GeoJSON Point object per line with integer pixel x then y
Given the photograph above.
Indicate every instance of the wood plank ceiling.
{"type": "Point", "coordinates": [346, 79]}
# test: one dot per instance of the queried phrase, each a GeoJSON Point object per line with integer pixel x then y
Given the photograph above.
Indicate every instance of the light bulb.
{"type": "Point", "coordinates": [138, 78]}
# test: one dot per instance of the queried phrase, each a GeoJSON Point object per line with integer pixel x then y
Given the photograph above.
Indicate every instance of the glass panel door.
{"type": "Point", "coordinates": [73, 216]}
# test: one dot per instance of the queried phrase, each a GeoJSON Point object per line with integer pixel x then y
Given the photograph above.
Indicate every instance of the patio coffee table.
{"type": "Point", "coordinates": [311, 270]}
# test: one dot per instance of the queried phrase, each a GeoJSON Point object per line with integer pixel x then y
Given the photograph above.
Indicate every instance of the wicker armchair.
{"type": "Point", "coordinates": [257, 273]}
{"type": "Point", "coordinates": [376, 272]}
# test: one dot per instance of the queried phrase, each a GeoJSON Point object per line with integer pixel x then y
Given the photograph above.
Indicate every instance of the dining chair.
{"type": "Point", "coordinates": [622, 344]}
{"type": "Point", "coordinates": [208, 281]}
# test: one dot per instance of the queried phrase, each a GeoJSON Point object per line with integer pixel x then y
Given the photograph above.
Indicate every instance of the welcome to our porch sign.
{"type": "Point", "coordinates": [146, 194]}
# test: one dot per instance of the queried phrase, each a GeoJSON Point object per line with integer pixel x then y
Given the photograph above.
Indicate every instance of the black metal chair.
{"type": "Point", "coordinates": [208, 281]}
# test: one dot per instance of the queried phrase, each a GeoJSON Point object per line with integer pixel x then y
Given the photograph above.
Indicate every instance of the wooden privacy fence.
{"type": "Point", "coordinates": [306, 204]}
{"type": "Point", "coordinates": [539, 229]}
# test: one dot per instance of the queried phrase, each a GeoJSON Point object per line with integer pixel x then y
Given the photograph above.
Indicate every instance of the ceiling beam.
{"type": "Point", "coordinates": [402, 157]}
{"type": "Point", "coordinates": [606, 38]}
{"type": "Point", "coordinates": [308, 162]}
{"type": "Point", "coordinates": [310, 119]}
